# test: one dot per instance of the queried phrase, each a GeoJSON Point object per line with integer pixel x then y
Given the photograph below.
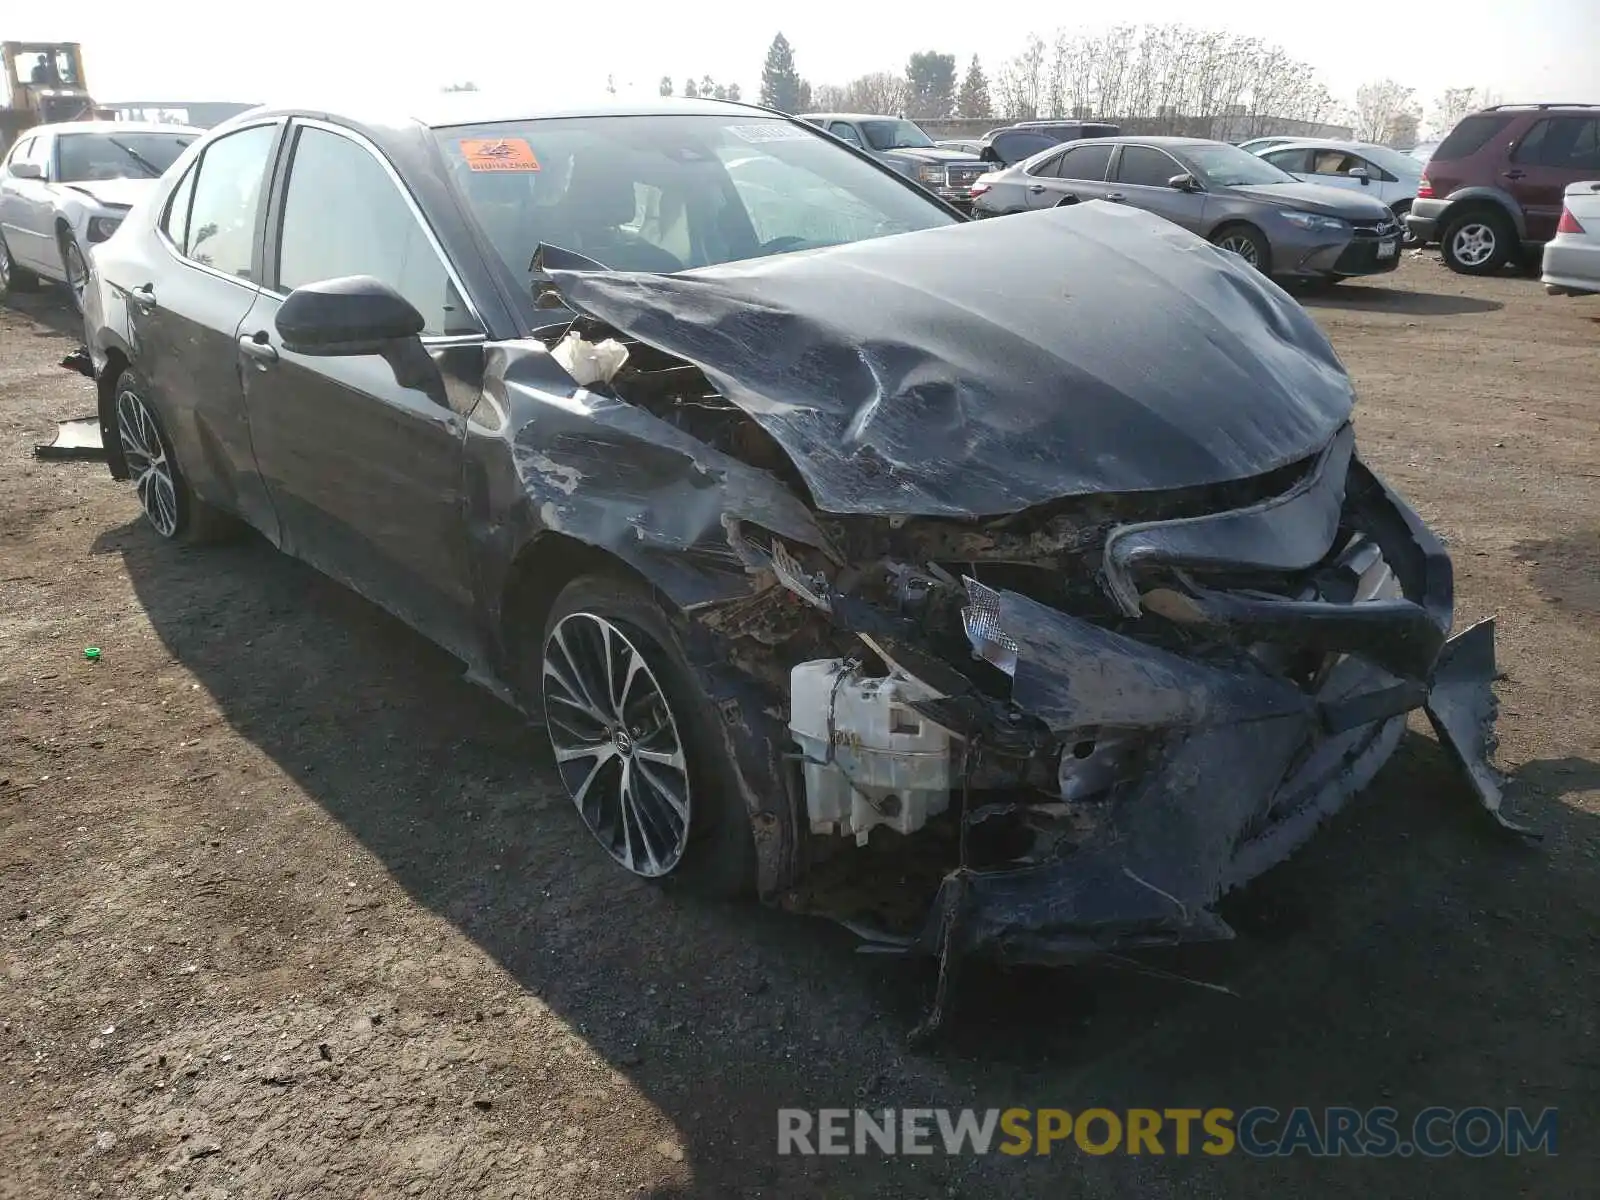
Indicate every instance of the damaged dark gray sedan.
{"type": "Point", "coordinates": [1028, 564]}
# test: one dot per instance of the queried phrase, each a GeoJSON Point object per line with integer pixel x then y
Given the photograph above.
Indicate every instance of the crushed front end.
{"type": "Point", "coordinates": [1078, 639]}
{"type": "Point", "coordinates": [1108, 723]}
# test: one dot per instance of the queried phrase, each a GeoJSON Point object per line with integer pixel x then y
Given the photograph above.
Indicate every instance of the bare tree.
{"type": "Point", "coordinates": [1378, 104]}
{"type": "Point", "coordinates": [828, 97]}
{"type": "Point", "coordinates": [880, 92]}
{"type": "Point", "coordinates": [1455, 103]}
{"type": "Point", "coordinates": [1171, 79]}
{"type": "Point", "coordinates": [1022, 82]}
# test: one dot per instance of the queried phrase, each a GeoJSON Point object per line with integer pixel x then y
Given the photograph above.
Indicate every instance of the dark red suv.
{"type": "Point", "coordinates": [1492, 190]}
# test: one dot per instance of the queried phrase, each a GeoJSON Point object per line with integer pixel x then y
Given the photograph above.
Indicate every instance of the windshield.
{"type": "Point", "coordinates": [1221, 165]}
{"type": "Point", "coordinates": [894, 135]}
{"type": "Point", "coordinates": [83, 157]}
{"type": "Point", "coordinates": [669, 193]}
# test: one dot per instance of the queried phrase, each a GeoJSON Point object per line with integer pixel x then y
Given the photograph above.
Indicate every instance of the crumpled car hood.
{"type": "Point", "coordinates": [987, 367]}
{"type": "Point", "coordinates": [119, 193]}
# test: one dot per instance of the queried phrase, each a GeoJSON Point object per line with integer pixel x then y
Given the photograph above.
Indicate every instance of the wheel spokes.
{"type": "Point", "coordinates": [616, 744]}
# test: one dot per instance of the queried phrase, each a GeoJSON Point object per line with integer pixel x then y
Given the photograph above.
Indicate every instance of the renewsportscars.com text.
{"type": "Point", "coordinates": [1258, 1132]}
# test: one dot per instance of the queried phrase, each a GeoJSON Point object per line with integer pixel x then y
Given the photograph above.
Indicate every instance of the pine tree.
{"type": "Point", "coordinates": [973, 99]}
{"type": "Point", "coordinates": [780, 81]}
{"type": "Point", "coordinates": [666, 85]}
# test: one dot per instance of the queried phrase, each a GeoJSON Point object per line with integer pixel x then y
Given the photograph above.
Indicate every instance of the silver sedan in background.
{"type": "Point", "coordinates": [1230, 197]}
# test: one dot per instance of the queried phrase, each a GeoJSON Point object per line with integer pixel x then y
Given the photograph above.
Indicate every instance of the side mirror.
{"type": "Point", "coordinates": [356, 314]}
{"type": "Point", "coordinates": [1361, 174]}
{"type": "Point", "coordinates": [1184, 183]}
{"type": "Point", "coordinates": [27, 170]}
{"type": "Point", "coordinates": [988, 155]}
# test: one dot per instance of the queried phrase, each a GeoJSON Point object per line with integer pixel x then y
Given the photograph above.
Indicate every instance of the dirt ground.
{"type": "Point", "coordinates": [291, 910]}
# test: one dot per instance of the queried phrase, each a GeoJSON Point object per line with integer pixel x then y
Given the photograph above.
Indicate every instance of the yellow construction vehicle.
{"type": "Point", "coordinates": [44, 85]}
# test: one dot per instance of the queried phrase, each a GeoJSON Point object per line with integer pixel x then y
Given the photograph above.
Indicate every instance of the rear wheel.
{"type": "Point", "coordinates": [637, 742]}
{"type": "Point", "coordinates": [1477, 242]}
{"type": "Point", "coordinates": [172, 510]}
{"type": "Point", "coordinates": [1247, 242]}
{"type": "Point", "coordinates": [12, 277]}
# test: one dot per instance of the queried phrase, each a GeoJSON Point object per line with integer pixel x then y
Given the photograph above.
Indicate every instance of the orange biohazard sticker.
{"type": "Point", "coordinates": [498, 154]}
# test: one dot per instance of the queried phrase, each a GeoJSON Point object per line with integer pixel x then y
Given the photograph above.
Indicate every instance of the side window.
{"type": "Point", "coordinates": [175, 222]}
{"type": "Point", "coordinates": [226, 196]}
{"type": "Point", "coordinates": [1050, 168]}
{"type": "Point", "coordinates": [1085, 162]}
{"type": "Point", "coordinates": [19, 153]}
{"type": "Point", "coordinates": [344, 215]}
{"type": "Point", "coordinates": [1143, 166]}
{"type": "Point", "coordinates": [1567, 143]}
{"type": "Point", "coordinates": [1332, 162]}
{"type": "Point", "coordinates": [1293, 161]}
{"type": "Point", "coordinates": [847, 132]}
{"type": "Point", "coordinates": [1529, 148]}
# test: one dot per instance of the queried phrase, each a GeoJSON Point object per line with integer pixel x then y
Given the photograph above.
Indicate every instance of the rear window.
{"type": "Point", "coordinates": [1469, 136]}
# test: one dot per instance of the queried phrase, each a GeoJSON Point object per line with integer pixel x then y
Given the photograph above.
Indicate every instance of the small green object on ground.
{"type": "Point", "coordinates": [92, 653]}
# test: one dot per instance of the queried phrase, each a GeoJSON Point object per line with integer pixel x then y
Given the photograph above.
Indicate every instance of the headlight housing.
{"type": "Point", "coordinates": [1315, 222]}
{"type": "Point", "coordinates": [100, 228]}
{"type": "Point", "coordinates": [930, 173]}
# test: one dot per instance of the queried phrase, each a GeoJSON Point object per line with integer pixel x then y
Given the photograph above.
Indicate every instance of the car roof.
{"type": "Point", "coordinates": [108, 127]}
{"type": "Point", "coordinates": [1334, 144]}
{"type": "Point", "coordinates": [843, 116]}
{"type": "Point", "coordinates": [445, 110]}
{"type": "Point", "coordinates": [1125, 139]}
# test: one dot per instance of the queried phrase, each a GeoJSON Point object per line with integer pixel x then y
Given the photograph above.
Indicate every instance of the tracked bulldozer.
{"type": "Point", "coordinates": [44, 84]}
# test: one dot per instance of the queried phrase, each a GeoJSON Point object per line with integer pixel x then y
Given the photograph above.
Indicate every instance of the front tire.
{"type": "Point", "coordinates": [75, 268]}
{"type": "Point", "coordinates": [1477, 242]}
{"type": "Point", "coordinates": [1247, 242]}
{"type": "Point", "coordinates": [637, 742]}
{"type": "Point", "coordinates": [170, 507]}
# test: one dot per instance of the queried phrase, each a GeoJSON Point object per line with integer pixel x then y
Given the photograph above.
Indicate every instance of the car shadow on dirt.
{"type": "Point", "coordinates": [1395, 300]}
{"type": "Point", "coordinates": [1392, 962]}
{"type": "Point", "coordinates": [49, 307]}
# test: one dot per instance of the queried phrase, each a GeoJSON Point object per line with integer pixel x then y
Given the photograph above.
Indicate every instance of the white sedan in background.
{"type": "Point", "coordinates": [64, 188]}
{"type": "Point", "coordinates": [1376, 171]}
{"type": "Point", "coordinates": [1572, 257]}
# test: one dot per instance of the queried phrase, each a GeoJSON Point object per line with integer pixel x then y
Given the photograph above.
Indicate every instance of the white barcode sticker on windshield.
{"type": "Point", "coordinates": [769, 131]}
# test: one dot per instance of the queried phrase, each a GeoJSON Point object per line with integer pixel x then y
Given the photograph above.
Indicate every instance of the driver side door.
{"type": "Point", "coordinates": [362, 454]}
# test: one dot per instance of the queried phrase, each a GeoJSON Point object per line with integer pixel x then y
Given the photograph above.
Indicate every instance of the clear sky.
{"type": "Point", "coordinates": [191, 50]}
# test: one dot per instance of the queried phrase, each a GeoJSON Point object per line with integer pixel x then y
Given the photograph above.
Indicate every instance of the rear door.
{"type": "Point", "coordinates": [29, 212]}
{"type": "Point", "coordinates": [185, 314]}
{"type": "Point", "coordinates": [1078, 172]}
{"type": "Point", "coordinates": [366, 469]}
{"type": "Point", "coordinates": [1555, 151]}
{"type": "Point", "coordinates": [1143, 175]}
{"type": "Point", "coordinates": [11, 200]}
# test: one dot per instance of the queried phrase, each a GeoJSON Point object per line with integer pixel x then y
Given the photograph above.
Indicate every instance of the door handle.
{"type": "Point", "coordinates": [1116, 197]}
{"type": "Point", "coordinates": [1036, 188]}
{"type": "Point", "coordinates": [143, 298]}
{"type": "Point", "coordinates": [262, 351]}
{"type": "Point", "coordinates": [1513, 174]}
